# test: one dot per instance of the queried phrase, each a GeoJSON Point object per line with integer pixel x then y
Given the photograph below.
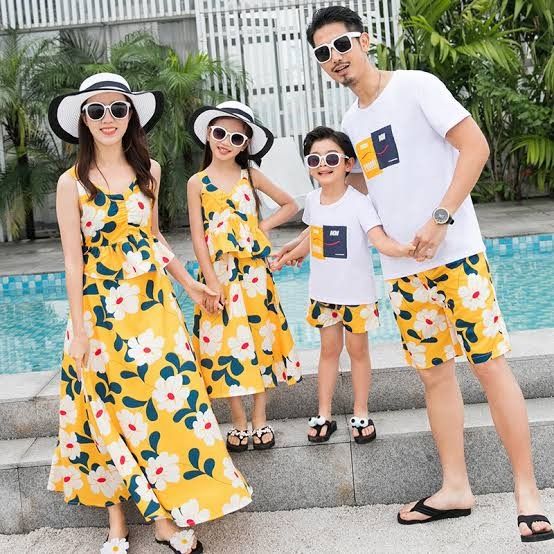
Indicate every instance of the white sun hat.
{"type": "Point", "coordinates": [65, 110]}
{"type": "Point", "coordinates": [262, 138]}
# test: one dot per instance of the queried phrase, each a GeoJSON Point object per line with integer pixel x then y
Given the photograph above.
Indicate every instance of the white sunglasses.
{"type": "Point", "coordinates": [220, 134]}
{"type": "Point", "coordinates": [331, 159]}
{"type": "Point", "coordinates": [341, 44]}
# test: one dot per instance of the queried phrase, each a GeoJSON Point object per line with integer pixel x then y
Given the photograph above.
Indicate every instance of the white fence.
{"type": "Point", "coordinates": [287, 89]}
{"type": "Point", "coordinates": [29, 14]}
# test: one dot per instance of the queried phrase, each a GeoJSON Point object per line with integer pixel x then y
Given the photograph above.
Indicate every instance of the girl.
{"type": "Point", "coordinates": [247, 347]}
{"type": "Point", "coordinates": [343, 300]}
{"type": "Point", "coordinates": [135, 418]}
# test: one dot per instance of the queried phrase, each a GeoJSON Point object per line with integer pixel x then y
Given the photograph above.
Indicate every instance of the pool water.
{"type": "Point", "coordinates": [33, 319]}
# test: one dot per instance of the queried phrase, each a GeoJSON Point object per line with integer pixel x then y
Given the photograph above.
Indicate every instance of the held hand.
{"type": "Point", "coordinates": [207, 298]}
{"type": "Point", "coordinates": [406, 250]}
{"type": "Point", "coordinates": [79, 351]}
{"type": "Point", "coordinates": [428, 239]}
{"type": "Point", "coordinates": [283, 257]}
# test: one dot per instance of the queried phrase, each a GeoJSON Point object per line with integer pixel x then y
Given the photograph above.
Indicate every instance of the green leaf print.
{"type": "Point", "coordinates": [413, 334]}
{"type": "Point", "coordinates": [207, 363]}
{"type": "Point", "coordinates": [429, 340]}
{"type": "Point", "coordinates": [253, 319]}
{"type": "Point", "coordinates": [437, 361]}
{"type": "Point", "coordinates": [405, 315]}
{"type": "Point", "coordinates": [152, 507]}
{"type": "Point", "coordinates": [194, 457]}
{"type": "Point", "coordinates": [167, 372]}
{"type": "Point", "coordinates": [115, 387]}
{"type": "Point", "coordinates": [81, 439]}
{"type": "Point", "coordinates": [113, 209]}
{"type": "Point", "coordinates": [209, 466]}
{"type": "Point", "coordinates": [90, 290]}
{"type": "Point", "coordinates": [481, 358]}
{"type": "Point", "coordinates": [150, 289]}
{"type": "Point", "coordinates": [103, 270]}
{"type": "Point", "coordinates": [154, 440]}
{"type": "Point", "coordinates": [188, 475]}
{"type": "Point", "coordinates": [147, 454]}
{"type": "Point", "coordinates": [118, 343]}
{"type": "Point", "coordinates": [133, 402]}
{"type": "Point", "coordinates": [128, 375]}
{"type": "Point", "coordinates": [151, 412]}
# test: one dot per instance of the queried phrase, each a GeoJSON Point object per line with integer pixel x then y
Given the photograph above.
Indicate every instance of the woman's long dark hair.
{"type": "Point", "coordinates": [242, 158]}
{"type": "Point", "coordinates": [134, 147]}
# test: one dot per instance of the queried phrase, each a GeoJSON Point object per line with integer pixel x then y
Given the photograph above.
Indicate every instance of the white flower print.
{"type": "Point", "coordinates": [122, 458]}
{"type": "Point", "coordinates": [162, 254]}
{"type": "Point", "coordinates": [133, 426]}
{"type": "Point", "coordinates": [239, 390]}
{"type": "Point", "coordinates": [254, 281]}
{"type": "Point", "coordinates": [371, 316]}
{"type": "Point", "coordinates": [71, 478]}
{"type": "Point", "coordinates": [328, 317]}
{"type": "Point", "coordinates": [92, 220]}
{"type": "Point", "coordinates": [69, 446]}
{"type": "Point", "coordinates": [67, 411]}
{"type": "Point", "coordinates": [429, 323]}
{"type": "Point", "coordinates": [492, 321]}
{"type": "Point", "coordinates": [294, 368]}
{"type": "Point", "coordinates": [98, 441]}
{"type": "Point", "coordinates": [236, 302]}
{"type": "Point", "coordinates": [101, 416]}
{"type": "Point", "coordinates": [210, 338]}
{"type": "Point", "coordinates": [242, 345]}
{"type": "Point", "coordinates": [182, 345]}
{"type": "Point", "coordinates": [396, 300]}
{"type": "Point", "coordinates": [98, 356]}
{"type": "Point", "coordinates": [279, 369]}
{"type": "Point", "coordinates": [89, 326]}
{"type": "Point", "coordinates": [182, 541]}
{"type": "Point", "coordinates": [170, 393]}
{"type": "Point", "coordinates": [190, 514]}
{"type": "Point", "coordinates": [475, 293]}
{"type": "Point", "coordinates": [223, 270]}
{"type": "Point", "coordinates": [104, 482]}
{"type": "Point", "coordinates": [267, 333]}
{"type": "Point", "coordinates": [122, 300]}
{"type": "Point", "coordinates": [244, 200]}
{"type": "Point", "coordinates": [115, 546]}
{"type": "Point", "coordinates": [449, 352]}
{"type": "Point", "coordinates": [268, 379]}
{"type": "Point", "coordinates": [246, 241]}
{"type": "Point", "coordinates": [424, 293]}
{"type": "Point", "coordinates": [146, 348]}
{"type": "Point", "coordinates": [206, 428]}
{"type": "Point", "coordinates": [219, 222]}
{"type": "Point", "coordinates": [162, 470]}
{"type": "Point", "coordinates": [144, 489]}
{"type": "Point", "coordinates": [417, 353]}
{"type": "Point", "coordinates": [231, 473]}
{"type": "Point", "coordinates": [138, 209]}
{"type": "Point", "coordinates": [134, 264]}
{"type": "Point", "coordinates": [236, 502]}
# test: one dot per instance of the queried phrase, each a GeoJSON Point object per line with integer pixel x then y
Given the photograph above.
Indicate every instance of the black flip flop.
{"type": "Point", "coordinates": [241, 435]}
{"type": "Point", "coordinates": [433, 513]}
{"type": "Point", "coordinates": [537, 535]}
{"type": "Point", "coordinates": [360, 423]}
{"type": "Point", "coordinates": [318, 423]}
{"type": "Point", "coordinates": [260, 433]}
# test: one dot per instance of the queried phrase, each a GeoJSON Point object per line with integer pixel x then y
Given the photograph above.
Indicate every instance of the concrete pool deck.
{"type": "Point", "coordinates": [496, 220]}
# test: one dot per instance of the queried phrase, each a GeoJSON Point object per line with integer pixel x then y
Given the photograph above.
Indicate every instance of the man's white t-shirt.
{"type": "Point", "coordinates": [340, 258]}
{"type": "Point", "coordinates": [408, 165]}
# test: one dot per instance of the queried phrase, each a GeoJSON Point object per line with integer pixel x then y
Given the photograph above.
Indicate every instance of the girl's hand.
{"type": "Point", "coordinates": [79, 351]}
{"type": "Point", "coordinates": [206, 297]}
{"type": "Point", "coordinates": [283, 259]}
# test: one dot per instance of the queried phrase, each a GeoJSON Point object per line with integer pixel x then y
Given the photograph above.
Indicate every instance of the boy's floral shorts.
{"type": "Point", "coordinates": [447, 310]}
{"type": "Point", "coordinates": [356, 319]}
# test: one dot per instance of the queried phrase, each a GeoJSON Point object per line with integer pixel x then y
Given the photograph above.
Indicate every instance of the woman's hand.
{"type": "Point", "coordinates": [79, 351]}
{"type": "Point", "coordinates": [209, 298]}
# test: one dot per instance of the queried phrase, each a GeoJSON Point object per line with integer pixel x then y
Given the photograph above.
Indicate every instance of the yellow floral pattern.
{"type": "Point", "coordinates": [355, 319]}
{"type": "Point", "coordinates": [139, 423]}
{"type": "Point", "coordinates": [248, 347]}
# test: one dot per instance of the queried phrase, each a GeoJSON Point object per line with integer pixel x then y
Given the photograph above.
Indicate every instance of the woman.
{"type": "Point", "coordinates": [135, 418]}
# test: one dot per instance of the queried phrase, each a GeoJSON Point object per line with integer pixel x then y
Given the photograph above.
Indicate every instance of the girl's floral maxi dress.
{"type": "Point", "coordinates": [139, 423]}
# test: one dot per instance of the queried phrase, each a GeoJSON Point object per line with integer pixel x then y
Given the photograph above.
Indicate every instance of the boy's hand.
{"type": "Point", "coordinates": [282, 259]}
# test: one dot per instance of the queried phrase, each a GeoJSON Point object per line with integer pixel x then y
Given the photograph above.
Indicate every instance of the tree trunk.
{"type": "Point", "coordinates": [30, 230]}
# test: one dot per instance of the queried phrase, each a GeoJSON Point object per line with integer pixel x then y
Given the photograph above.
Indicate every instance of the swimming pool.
{"type": "Point", "coordinates": [34, 307]}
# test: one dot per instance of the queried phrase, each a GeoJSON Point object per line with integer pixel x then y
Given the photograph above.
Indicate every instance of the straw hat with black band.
{"type": "Point", "coordinates": [262, 138]}
{"type": "Point", "coordinates": [65, 110]}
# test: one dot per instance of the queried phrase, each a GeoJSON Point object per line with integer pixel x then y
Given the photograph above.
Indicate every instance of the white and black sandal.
{"type": "Point", "coordinates": [360, 423]}
{"type": "Point", "coordinates": [318, 423]}
{"type": "Point", "coordinates": [242, 436]}
{"type": "Point", "coordinates": [115, 546]}
{"type": "Point", "coordinates": [182, 541]}
{"type": "Point", "coordinates": [261, 432]}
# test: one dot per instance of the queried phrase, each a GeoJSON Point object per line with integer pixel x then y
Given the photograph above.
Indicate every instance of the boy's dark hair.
{"type": "Point", "coordinates": [339, 138]}
{"type": "Point", "coordinates": [334, 14]}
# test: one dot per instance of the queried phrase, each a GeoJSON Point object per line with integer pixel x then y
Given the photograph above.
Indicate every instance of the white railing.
{"type": "Point", "coordinates": [267, 39]}
{"type": "Point", "coordinates": [32, 14]}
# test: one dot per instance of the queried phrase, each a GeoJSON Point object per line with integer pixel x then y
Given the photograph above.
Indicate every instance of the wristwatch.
{"type": "Point", "coordinates": [441, 216]}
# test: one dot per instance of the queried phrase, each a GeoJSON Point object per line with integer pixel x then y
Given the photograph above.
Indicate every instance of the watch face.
{"type": "Point", "coordinates": [441, 215]}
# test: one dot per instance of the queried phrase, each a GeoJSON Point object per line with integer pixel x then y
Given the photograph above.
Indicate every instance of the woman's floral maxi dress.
{"type": "Point", "coordinates": [139, 423]}
{"type": "Point", "coordinates": [248, 347]}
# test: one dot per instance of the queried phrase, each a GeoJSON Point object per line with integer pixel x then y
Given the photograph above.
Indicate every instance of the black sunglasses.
{"type": "Point", "coordinates": [96, 110]}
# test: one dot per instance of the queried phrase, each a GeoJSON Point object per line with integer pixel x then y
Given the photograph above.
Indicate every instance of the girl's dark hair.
{"type": "Point", "coordinates": [334, 14]}
{"type": "Point", "coordinates": [134, 147]}
{"type": "Point", "coordinates": [242, 158]}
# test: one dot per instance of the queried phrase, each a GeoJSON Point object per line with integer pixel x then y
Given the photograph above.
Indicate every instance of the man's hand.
{"type": "Point", "coordinates": [428, 239]}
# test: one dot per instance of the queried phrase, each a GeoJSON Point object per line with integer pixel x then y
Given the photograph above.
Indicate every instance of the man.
{"type": "Point", "coordinates": [419, 156]}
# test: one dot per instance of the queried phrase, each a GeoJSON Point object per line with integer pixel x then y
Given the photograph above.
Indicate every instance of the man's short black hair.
{"type": "Point", "coordinates": [334, 14]}
{"type": "Point", "coordinates": [339, 138]}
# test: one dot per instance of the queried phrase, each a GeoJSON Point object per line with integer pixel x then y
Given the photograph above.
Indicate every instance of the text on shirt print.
{"type": "Point", "coordinates": [377, 152]}
{"type": "Point", "coordinates": [328, 241]}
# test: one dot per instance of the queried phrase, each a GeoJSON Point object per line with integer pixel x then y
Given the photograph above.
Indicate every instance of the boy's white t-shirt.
{"type": "Point", "coordinates": [408, 165]}
{"type": "Point", "coordinates": [341, 269]}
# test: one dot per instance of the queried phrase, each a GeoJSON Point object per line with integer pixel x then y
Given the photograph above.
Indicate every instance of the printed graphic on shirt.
{"type": "Point", "coordinates": [377, 152]}
{"type": "Point", "coordinates": [328, 241]}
